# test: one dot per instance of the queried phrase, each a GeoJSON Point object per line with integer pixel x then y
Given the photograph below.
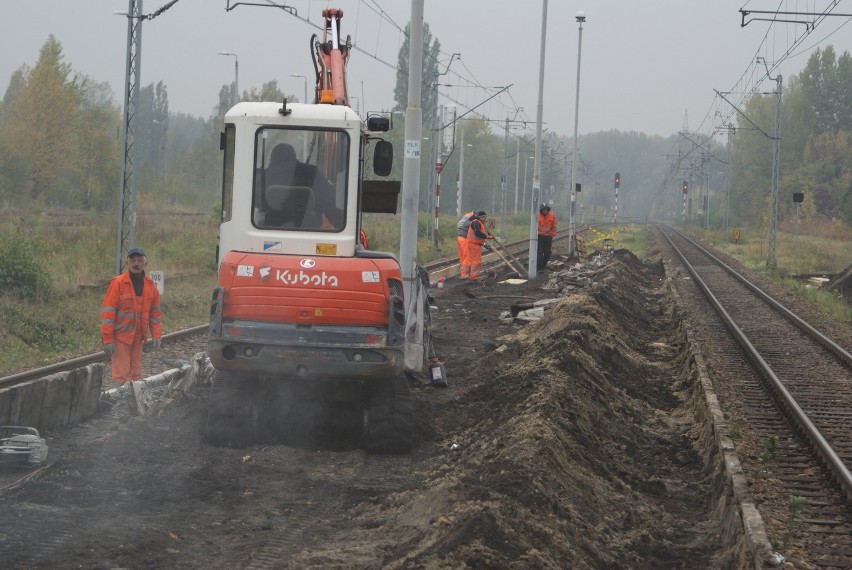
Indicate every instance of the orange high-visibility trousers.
{"type": "Point", "coordinates": [474, 257]}
{"type": "Point", "coordinates": [464, 265]}
{"type": "Point", "coordinates": [127, 361]}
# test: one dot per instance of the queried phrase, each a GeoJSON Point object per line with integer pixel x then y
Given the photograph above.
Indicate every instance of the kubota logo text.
{"type": "Point", "coordinates": [301, 278]}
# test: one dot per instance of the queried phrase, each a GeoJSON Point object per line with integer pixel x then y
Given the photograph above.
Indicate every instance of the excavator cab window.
{"type": "Point", "coordinates": [300, 179]}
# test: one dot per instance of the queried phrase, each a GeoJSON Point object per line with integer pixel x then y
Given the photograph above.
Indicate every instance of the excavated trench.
{"type": "Point", "coordinates": [582, 440]}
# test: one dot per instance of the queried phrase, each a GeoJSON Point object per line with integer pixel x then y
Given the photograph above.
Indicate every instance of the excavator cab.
{"type": "Point", "coordinates": [303, 313]}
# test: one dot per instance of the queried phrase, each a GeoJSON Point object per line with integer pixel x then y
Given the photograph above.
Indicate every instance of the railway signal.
{"type": "Point", "coordinates": [617, 182]}
{"type": "Point", "coordinates": [685, 186]}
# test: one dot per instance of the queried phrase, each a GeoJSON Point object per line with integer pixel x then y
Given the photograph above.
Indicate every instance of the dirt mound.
{"type": "Point", "coordinates": [570, 442]}
{"type": "Point", "coordinates": [567, 448]}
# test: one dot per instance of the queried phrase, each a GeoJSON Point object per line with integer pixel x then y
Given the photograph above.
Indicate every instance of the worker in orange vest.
{"type": "Point", "coordinates": [476, 236]}
{"type": "Point", "coordinates": [546, 233]}
{"type": "Point", "coordinates": [131, 307]}
{"type": "Point", "coordinates": [461, 242]}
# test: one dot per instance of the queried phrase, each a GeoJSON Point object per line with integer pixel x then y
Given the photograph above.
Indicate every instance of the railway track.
{"type": "Point", "coordinates": [437, 268]}
{"type": "Point", "coordinates": [787, 390]}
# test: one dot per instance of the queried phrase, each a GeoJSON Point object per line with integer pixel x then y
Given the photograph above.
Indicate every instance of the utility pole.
{"type": "Point", "coordinates": [127, 196]}
{"type": "Point", "coordinates": [504, 176]}
{"type": "Point", "coordinates": [776, 153]}
{"type": "Point", "coordinates": [460, 185]}
{"type": "Point", "coordinates": [536, 185]}
{"type": "Point", "coordinates": [411, 166]}
{"type": "Point", "coordinates": [517, 174]}
{"type": "Point", "coordinates": [730, 129]}
{"type": "Point", "coordinates": [580, 17]}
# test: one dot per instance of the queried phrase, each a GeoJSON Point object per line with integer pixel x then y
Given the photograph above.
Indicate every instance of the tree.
{"type": "Point", "coordinates": [428, 85]}
{"type": "Point", "coordinates": [153, 127]}
{"type": "Point", "coordinates": [39, 130]}
{"type": "Point", "coordinates": [100, 120]}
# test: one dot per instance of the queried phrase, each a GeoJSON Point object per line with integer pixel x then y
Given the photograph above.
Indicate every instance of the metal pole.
{"type": "Point", "coordinates": [536, 185]}
{"type": "Point", "coordinates": [796, 235]}
{"type": "Point", "coordinates": [304, 135]}
{"type": "Point", "coordinates": [580, 17]}
{"type": "Point", "coordinates": [236, 98]}
{"type": "Point", "coordinates": [411, 166]}
{"type": "Point", "coordinates": [461, 176]}
{"type": "Point", "coordinates": [127, 196]}
{"type": "Point", "coordinates": [439, 166]}
{"type": "Point", "coordinates": [727, 184]}
{"type": "Point", "coordinates": [503, 181]}
{"type": "Point", "coordinates": [306, 84]}
{"type": "Point", "coordinates": [776, 151]}
{"type": "Point", "coordinates": [517, 174]}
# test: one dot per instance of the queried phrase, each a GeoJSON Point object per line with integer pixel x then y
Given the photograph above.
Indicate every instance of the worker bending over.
{"type": "Point", "coordinates": [461, 242]}
{"type": "Point", "coordinates": [476, 236]}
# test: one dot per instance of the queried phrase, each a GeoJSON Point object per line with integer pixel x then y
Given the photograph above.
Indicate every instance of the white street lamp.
{"type": "Point", "coordinates": [306, 84]}
{"type": "Point", "coordinates": [236, 74]}
{"type": "Point", "coordinates": [580, 17]}
{"type": "Point", "coordinates": [461, 175]}
{"type": "Point", "coordinates": [304, 134]}
{"type": "Point", "coordinates": [524, 197]}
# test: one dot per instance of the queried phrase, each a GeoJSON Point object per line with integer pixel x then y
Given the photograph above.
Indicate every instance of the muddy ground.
{"type": "Point", "coordinates": [566, 443]}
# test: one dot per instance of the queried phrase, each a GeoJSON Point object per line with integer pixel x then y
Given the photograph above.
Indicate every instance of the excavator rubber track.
{"type": "Point", "coordinates": [390, 416]}
{"type": "Point", "coordinates": [245, 410]}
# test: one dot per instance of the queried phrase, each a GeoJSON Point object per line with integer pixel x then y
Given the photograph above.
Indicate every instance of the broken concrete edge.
{"type": "Point", "coordinates": [57, 400]}
{"type": "Point", "coordinates": [759, 548]}
{"type": "Point", "coordinates": [177, 378]}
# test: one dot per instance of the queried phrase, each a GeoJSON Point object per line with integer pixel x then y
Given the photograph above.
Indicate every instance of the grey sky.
{"type": "Point", "coordinates": [644, 64]}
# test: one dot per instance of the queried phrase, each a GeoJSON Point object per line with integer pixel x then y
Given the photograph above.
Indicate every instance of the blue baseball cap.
{"type": "Point", "coordinates": [135, 251]}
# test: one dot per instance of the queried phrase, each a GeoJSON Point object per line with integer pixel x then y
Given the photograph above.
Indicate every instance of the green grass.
{"type": "Point", "coordinates": [819, 248]}
{"type": "Point", "coordinates": [74, 257]}
{"type": "Point", "coordinates": [70, 257]}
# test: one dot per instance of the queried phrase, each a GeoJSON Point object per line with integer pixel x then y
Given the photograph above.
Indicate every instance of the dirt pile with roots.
{"type": "Point", "coordinates": [568, 446]}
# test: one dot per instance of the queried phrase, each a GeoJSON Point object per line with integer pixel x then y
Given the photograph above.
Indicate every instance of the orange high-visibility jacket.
{"type": "Point", "coordinates": [477, 233]}
{"type": "Point", "coordinates": [119, 319]}
{"type": "Point", "coordinates": [547, 224]}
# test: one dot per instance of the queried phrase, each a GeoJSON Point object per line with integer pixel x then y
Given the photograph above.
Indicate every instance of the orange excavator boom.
{"type": "Point", "coordinates": [330, 59]}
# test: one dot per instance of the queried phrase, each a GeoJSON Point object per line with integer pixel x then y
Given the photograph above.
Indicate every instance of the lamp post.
{"type": "Point", "coordinates": [126, 236]}
{"type": "Point", "coordinates": [461, 176]}
{"type": "Point", "coordinates": [236, 75]}
{"type": "Point", "coordinates": [580, 17]}
{"type": "Point", "coordinates": [304, 134]}
{"type": "Point", "coordinates": [524, 197]}
{"type": "Point", "coordinates": [306, 84]}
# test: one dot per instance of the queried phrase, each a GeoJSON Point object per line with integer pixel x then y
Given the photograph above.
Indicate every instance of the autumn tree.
{"type": "Point", "coordinates": [39, 134]}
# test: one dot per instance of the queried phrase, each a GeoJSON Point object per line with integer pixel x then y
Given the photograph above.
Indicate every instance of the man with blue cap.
{"type": "Point", "coordinates": [131, 308]}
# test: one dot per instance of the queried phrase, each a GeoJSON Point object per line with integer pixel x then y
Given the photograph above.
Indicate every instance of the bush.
{"type": "Point", "coordinates": [19, 272]}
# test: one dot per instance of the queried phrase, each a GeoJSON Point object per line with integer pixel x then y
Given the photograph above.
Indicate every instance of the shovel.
{"type": "Point", "coordinates": [502, 247]}
{"type": "Point", "coordinates": [505, 259]}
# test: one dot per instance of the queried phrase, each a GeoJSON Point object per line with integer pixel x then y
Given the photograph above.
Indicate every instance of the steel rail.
{"type": "Point", "coordinates": [71, 364]}
{"type": "Point", "coordinates": [81, 361]}
{"type": "Point", "coordinates": [834, 463]}
{"type": "Point", "coordinates": [844, 356]}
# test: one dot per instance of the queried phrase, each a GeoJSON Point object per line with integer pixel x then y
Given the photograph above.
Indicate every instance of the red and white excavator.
{"type": "Point", "coordinates": [304, 317]}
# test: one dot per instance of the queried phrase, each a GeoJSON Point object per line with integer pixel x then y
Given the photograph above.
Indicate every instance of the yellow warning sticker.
{"type": "Point", "coordinates": [317, 311]}
{"type": "Point", "coordinates": [326, 249]}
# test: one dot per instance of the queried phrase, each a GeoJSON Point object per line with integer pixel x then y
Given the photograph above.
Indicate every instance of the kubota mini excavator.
{"type": "Point", "coordinates": [303, 312]}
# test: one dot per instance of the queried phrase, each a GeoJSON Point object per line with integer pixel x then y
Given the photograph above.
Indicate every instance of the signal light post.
{"type": "Point", "coordinates": [685, 189]}
{"type": "Point", "coordinates": [616, 184]}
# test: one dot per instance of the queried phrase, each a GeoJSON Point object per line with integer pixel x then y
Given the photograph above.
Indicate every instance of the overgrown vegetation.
{"type": "Point", "coordinates": [796, 510]}
{"type": "Point", "coordinates": [818, 248]}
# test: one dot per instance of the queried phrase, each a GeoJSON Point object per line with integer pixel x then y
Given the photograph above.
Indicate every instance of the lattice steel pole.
{"type": "Point", "coordinates": [776, 165]}
{"type": "Point", "coordinates": [127, 195]}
